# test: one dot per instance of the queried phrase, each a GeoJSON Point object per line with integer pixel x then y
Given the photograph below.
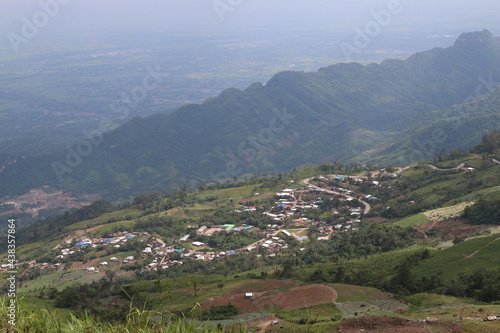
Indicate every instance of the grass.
{"type": "Point", "coordinates": [481, 327]}
{"type": "Point", "coordinates": [59, 280]}
{"type": "Point", "coordinates": [487, 193]}
{"type": "Point", "coordinates": [118, 215]}
{"type": "Point", "coordinates": [314, 314]}
{"type": "Point", "coordinates": [182, 292]}
{"type": "Point", "coordinates": [324, 327]}
{"type": "Point", "coordinates": [29, 319]}
{"type": "Point", "coordinates": [454, 260]}
{"type": "Point", "coordinates": [453, 163]}
{"type": "Point", "coordinates": [477, 163]}
{"type": "Point", "coordinates": [383, 264]}
{"type": "Point", "coordinates": [29, 251]}
{"type": "Point", "coordinates": [350, 293]}
{"type": "Point", "coordinates": [353, 310]}
{"type": "Point", "coordinates": [447, 212]}
{"type": "Point", "coordinates": [108, 228]}
{"type": "Point", "coordinates": [458, 181]}
{"type": "Point", "coordinates": [427, 301]}
{"type": "Point", "coordinates": [413, 221]}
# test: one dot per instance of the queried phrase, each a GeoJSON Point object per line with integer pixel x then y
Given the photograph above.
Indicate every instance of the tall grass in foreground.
{"type": "Point", "coordinates": [35, 320]}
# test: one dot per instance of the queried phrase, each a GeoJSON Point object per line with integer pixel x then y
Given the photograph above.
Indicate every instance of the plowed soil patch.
{"type": "Point", "coordinates": [263, 286]}
{"type": "Point", "coordinates": [293, 298]}
{"type": "Point", "coordinates": [377, 324]}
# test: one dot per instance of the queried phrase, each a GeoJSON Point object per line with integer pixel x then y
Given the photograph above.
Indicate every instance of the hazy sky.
{"type": "Point", "coordinates": [146, 15]}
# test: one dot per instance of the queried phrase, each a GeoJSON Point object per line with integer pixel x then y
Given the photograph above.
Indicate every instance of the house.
{"type": "Point", "coordinates": [184, 238]}
{"type": "Point", "coordinates": [198, 244]}
{"type": "Point", "coordinates": [128, 259]}
{"type": "Point", "coordinates": [104, 263]}
{"type": "Point", "coordinates": [249, 296]}
{"type": "Point", "coordinates": [201, 230]}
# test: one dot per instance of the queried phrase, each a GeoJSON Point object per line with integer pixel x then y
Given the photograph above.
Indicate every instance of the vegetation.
{"type": "Point", "coordinates": [490, 144]}
{"type": "Point", "coordinates": [220, 312]}
{"type": "Point", "coordinates": [33, 320]}
{"type": "Point", "coordinates": [483, 212]}
{"type": "Point", "coordinates": [392, 249]}
{"type": "Point", "coordinates": [311, 315]}
{"type": "Point", "coordinates": [298, 118]}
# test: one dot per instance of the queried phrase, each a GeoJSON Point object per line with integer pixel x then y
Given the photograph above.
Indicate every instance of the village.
{"type": "Point", "coordinates": [290, 214]}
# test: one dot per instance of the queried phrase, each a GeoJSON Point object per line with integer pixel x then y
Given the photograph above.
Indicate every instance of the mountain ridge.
{"type": "Point", "coordinates": [339, 111]}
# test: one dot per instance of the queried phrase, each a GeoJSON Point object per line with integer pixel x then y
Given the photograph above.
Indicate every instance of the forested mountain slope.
{"type": "Point", "coordinates": [297, 118]}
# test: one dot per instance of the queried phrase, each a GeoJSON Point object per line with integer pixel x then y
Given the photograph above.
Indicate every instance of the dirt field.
{"type": "Point", "coordinates": [273, 295]}
{"type": "Point", "coordinates": [42, 198]}
{"type": "Point", "coordinates": [382, 325]}
{"type": "Point", "coordinates": [453, 228]}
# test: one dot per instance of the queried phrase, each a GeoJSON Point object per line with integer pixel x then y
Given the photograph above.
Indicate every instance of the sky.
{"type": "Point", "coordinates": [83, 16]}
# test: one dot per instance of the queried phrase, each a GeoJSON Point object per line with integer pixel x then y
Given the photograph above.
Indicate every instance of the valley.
{"type": "Point", "coordinates": [249, 166]}
{"type": "Point", "coordinates": [344, 112]}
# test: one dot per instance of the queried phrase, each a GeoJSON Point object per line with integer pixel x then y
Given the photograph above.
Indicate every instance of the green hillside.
{"type": "Point", "coordinates": [317, 268]}
{"type": "Point", "coordinates": [466, 257]}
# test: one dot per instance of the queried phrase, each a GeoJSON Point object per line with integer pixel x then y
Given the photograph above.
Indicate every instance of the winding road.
{"type": "Point", "coordinates": [366, 204]}
{"type": "Point", "coordinates": [460, 166]}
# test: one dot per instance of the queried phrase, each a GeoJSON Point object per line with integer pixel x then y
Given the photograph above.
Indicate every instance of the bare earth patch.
{"type": "Point", "coordinates": [382, 324]}
{"type": "Point", "coordinates": [268, 298]}
{"type": "Point", "coordinates": [454, 228]}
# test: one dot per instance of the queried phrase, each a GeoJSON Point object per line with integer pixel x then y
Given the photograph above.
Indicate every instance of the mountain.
{"type": "Point", "coordinates": [458, 127]}
{"type": "Point", "coordinates": [296, 118]}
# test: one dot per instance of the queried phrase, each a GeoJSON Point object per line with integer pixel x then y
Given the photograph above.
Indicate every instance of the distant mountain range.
{"type": "Point", "coordinates": [394, 112]}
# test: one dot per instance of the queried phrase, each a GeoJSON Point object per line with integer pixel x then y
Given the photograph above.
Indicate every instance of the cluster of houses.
{"type": "Point", "coordinates": [209, 231]}
{"type": "Point", "coordinates": [120, 237]}
{"type": "Point", "coordinates": [348, 225]}
{"type": "Point", "coordinates": [291, 206]}
{"type": "Point", "coordinates": [165, 261]}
